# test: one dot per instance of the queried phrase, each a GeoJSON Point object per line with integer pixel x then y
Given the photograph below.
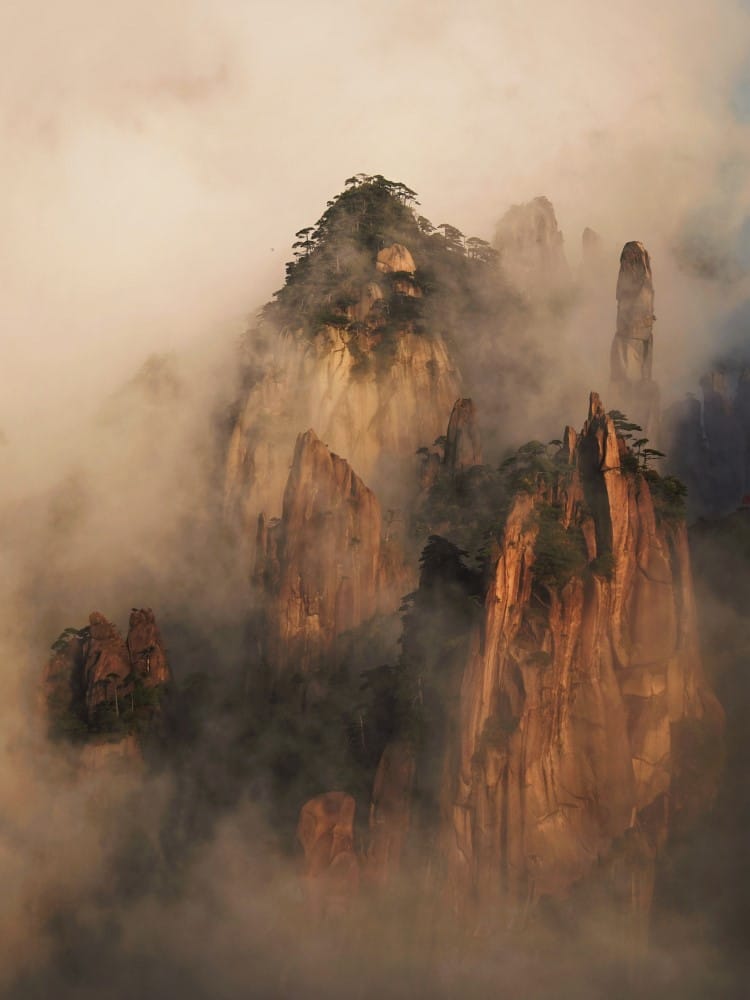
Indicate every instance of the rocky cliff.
{"type": "Point", "coordinates": [325, 831]}
{"type": "Point", "coordinates": [463, 448]}
{"type": "Point", "coordinates": [580, 695]}
{"type": "Point", "coordinates": [357, 349]}
{"type": "Point", "coordinates": [531, 248]}
{"type": "Point", "coordinates": [632, 388]}
{"type": "Point", "coordinates": [374, 407]}
{"type": "Point", "coordinates": [325, 565]}
{"type": "Point", "coordinates": [96, 682]}
{"type": "Point", "coordinates": [567, 718]}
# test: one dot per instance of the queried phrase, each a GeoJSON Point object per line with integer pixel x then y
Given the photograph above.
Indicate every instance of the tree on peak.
{"type": "Point", "coordinates": [336, 256]}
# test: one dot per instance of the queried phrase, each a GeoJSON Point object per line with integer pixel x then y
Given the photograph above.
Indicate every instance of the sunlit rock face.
{"type": "Point", "coordinates": [395, 258]}
{"type": "Point", "coordinates": [632, 388]}
{"type": "Point", "coordinates": [324, 566]}
{"type": "Point", "coordinates": [373, 399]}
{"type": "Point", "coordinates": [575, 707]}
{"type": "Point", "coordinates": [531, 250]}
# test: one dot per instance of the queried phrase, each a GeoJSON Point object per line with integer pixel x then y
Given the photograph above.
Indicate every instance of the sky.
{"type": "Point", "coordinates": [157, 159]}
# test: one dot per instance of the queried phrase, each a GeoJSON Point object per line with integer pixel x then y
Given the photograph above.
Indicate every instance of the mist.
{"type": "Point", "coordinates": [157, 161]}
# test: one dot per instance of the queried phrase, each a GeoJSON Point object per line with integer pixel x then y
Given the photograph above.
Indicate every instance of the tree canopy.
{"type": "Point", "coordinates": [334, 258]}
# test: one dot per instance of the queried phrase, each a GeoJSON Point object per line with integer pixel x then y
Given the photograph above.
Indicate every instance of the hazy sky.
{"type": "Point", "coordinates": [157, 158]}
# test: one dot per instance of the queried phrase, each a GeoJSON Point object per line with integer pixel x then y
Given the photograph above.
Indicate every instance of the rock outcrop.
{"type": "Point", "coordinates": [531, 250]}
{"type": "Point", "coordinates": [325, 832]}
{"type": "Point", "coordinates": [571, 710]}
{"type": "Point", "coordinates": [325, 567]}
{"type": "Point", "coordinates": [146, 651]}
{"type": "Point", "coordinates": [374, 404]}
{"type": "Point", "coordinates": [106, 667]}
{"type": "Point", "coordinates": [633, 346]}
{"type": "Point", "coordinates": [394, 259]}
{"type": "Point", "coordinates": [632, 388]}
{"type": "Point", "coordinates": [456, 490]}
{"type": "Point", "coordinates": [390, 812]}
{"type": "Point", "coordinates": [94, 669]}
{"type": "Point", "coordinates": [463, 448]}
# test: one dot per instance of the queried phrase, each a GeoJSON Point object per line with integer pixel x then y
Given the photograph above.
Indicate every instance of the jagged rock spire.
{"type": "Point", "coordinates": [463, 448]}
{"type": "Point", "coordinates": [531, 250]}
{"type": "Point", "coordinates": [95, 665]}
{"type": "Point", "coordinates": [324, 565]}
{"type": "Point", "coordinates": [632, 348]}
{"type": "Point", "coordinates": [632, 388]}
{"type": "Point", "coordinates": [577, 714]}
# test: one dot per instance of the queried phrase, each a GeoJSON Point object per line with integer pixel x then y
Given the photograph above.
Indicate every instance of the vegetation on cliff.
{"type": "Point", "coordinates": [98, 686]}
{"type": "Point", "coordinates": [335, 258]}
{"type": "Point", "coordinates": [668, 493]}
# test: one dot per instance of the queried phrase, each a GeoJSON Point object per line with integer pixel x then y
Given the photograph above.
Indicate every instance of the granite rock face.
{"type": "Point", "coordinates": [578, 699]}
{"type": "Point", "coordinates": [394, 259]}
{"type": "Point", "coordinates": [106, 667]}
{"type": "Point", "coordinates": [632, 388]}
{"type": "Point", "coordinates": [324, 566]}
{"type": "Point", "coordinates": [463, 448]}
{"type": "Point", "coordinates": [146, 650]}
{"type": "Point", "coordinates": [632, 349]}
{"type": "Point", "coordinates": [531, 250]}
{"type": "Point", "coordinates": [94, 667]}
{"type": "Point", "coordinates": [373, 388]}
{"type": "Point", "coordinates": [390, 812]}
{"type": "Point", "coordinates": [325, 831]}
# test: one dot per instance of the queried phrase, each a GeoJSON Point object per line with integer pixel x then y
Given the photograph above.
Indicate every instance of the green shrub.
{"type": "Point", "coordinates": [669, 495]}
{"type": "Point", "coordinates": [559, 553]}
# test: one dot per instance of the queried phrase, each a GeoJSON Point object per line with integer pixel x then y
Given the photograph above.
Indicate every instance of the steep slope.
{"type": "Point", "coordinates": [463, 448]}
{"type": "Point", "coordinates": [355, 347]}
{"type": "Point", "coordinates": [632, 387]}
{"type": "Point", "coordinates": [576, 703]}
{"type": "Point", "coordinates": [531, 248]}
{"type": "Point", "coordinates": [374, 410]}
{"type": "Point", "coordinates": [325, 566]}
{"type": "Point", "coordinates": [565, 722]}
